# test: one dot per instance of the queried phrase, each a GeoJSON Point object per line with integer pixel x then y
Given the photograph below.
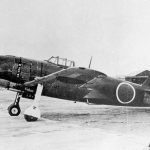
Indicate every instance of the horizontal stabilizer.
{"type": "Point", "coordinates": [147, 83]}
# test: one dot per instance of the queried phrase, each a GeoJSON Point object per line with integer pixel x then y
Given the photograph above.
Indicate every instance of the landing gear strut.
{"type": "Point", "coordinates": [33, 112]}
{"type": "Point", "coordinates": [14, 109]}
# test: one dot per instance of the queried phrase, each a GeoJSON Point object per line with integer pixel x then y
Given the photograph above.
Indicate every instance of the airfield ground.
{"type": "Point", "coordinates": [68, 126]}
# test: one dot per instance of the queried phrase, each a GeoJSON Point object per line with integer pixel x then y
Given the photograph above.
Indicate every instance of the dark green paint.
{"type": "Point", "coordinates": [75, 84]}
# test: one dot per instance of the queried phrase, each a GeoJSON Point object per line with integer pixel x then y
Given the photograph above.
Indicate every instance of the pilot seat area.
{"type": "Point", "coordinates": [62, 62]}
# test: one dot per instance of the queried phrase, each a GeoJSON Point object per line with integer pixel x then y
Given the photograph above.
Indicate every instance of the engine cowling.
{"type": "Point", "coordinates": [125, 93]}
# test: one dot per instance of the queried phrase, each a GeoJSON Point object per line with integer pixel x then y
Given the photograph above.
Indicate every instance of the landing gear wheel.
{"type": "Point", "coordinates": [14, 110]}
{"type": "Point", "coordinates": [33, 112]}
{"type": "Point", "coordinates": [30, 118]}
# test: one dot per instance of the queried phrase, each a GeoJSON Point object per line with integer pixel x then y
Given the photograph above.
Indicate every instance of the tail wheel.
{"type": "Point", "coordinates": [14, 110]}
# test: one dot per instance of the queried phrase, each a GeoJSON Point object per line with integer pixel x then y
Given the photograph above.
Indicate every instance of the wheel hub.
{"type": "Point", "coordinates": [14, 110]}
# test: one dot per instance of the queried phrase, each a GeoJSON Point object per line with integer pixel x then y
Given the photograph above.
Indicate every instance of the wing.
{"type": "Point", "coordinates": [70, 75]}
{"type": "Point", "coordinates": [94, 94]}
{"type": "Point", "coordinates": [43, 79]}
{"type": "Point", "coordinates": [94, 87]}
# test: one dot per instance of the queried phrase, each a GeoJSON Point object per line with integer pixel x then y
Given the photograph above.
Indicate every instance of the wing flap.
{"type": "Point", "coordinates": [94, 94]}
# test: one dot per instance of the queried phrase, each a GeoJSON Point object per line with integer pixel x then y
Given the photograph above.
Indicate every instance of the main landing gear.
{"type": "Point", "coordinates": [14, 109]}
{"type": "Point", "coordinates": [33, 112]}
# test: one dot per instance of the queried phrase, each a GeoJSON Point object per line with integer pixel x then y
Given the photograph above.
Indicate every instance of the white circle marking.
{"type": "Point", "coordinates": [134, 93]}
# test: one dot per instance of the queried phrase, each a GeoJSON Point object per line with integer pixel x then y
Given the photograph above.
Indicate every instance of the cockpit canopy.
{"type": "Point", "coordinates": [61, 61]}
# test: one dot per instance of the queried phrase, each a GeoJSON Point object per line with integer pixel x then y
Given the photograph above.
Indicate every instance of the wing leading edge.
{"type": "Point", "coordinates": [70, 75]}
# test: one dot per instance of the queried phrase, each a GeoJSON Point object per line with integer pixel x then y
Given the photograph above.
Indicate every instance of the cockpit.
{"type": "Point", "coordinates": [64, 62]}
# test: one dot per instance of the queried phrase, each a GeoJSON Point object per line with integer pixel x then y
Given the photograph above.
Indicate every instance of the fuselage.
{"type": "Point", "coordinates": [20, 70]}
{"type": "Point", "coordinates": [100, 88]}
{"type": "Point", "coordinates": [118, 92]}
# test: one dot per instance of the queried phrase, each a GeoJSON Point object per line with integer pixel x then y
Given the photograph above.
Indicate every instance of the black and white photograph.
{"type": "Point", "coordinates": [74, 75]}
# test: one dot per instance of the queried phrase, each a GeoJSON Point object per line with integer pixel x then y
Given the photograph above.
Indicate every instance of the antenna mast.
{"type": "Point", "coordinates": [90, 62]}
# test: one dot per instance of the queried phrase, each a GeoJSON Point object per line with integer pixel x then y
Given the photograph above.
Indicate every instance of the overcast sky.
{"type": "Point", "coordinates": [115, 32]}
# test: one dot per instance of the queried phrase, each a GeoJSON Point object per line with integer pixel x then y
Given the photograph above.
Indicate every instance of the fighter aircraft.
{"type": "Point", "coordinates": [70, 83]}
{"type": "Point", "coordinates": [16, 72]}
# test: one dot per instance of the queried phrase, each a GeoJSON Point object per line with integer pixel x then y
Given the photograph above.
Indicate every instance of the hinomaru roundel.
{"type": "Point", "coordinates": [125, 93]}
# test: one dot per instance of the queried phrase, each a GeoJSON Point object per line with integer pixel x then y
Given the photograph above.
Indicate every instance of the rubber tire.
{"type": "Point", "coordinates": [30, 118]}
{"type": "Point", "coordinates": [10, 110]}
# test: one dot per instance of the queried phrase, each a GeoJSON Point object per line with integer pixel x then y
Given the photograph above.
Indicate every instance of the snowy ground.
{"type": "Point", "coordinates": [68, 126]}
